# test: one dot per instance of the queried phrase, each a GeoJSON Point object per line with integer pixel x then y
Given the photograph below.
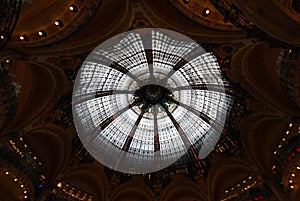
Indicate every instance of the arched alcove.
{"type": "Point", "coordinates": [269, 18]}
{"type": "Point", "coordinates": [88, 179]}
{"type": "Point", "coordinates": [50, 149]}
{"type": "Point", "coordinates": [261, 80]}
{"type": "Point", "coordinates": [131, 195]}
{"type": "Point", "coordinates": [134, 190]}
{"type": "Point", "coordinates": [259, 135]}
{"type": "Point", "coordinates": [39, 86]}
{"type": "Point", "coordinates": [232, 172]}
{"type": "Point", "coordinates": [183, 189]}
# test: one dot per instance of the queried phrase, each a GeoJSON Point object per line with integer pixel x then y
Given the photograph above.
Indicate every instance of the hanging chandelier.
{"type": "Point", "coordinates": [145, 98]}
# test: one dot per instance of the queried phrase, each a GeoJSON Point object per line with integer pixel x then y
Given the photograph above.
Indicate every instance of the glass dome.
{"type": "Point", "coordinates": [147, 97]}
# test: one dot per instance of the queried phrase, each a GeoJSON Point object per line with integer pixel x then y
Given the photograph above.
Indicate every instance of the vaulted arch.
{"type": "Point", "coordinates": [133, 190]}
{"type": "Point", "coordinates": [40, 85]}
{"type": "Point", "coordinates": [221, 179]}
{"type": "Point", "coordinates": [182, 189]}
{"type": "Point", "coordinates": [259, 135]}
{"type": "Point", "coordinates": [50, 149]}
{"type": "Point", "coordinates": [131, 194]}
{"type": "Point", "coordinates": [271, 19]}
{"type": "Point", "coordinates": [255, 68]}
{"type": "Point", "coordinates": [88, 178]}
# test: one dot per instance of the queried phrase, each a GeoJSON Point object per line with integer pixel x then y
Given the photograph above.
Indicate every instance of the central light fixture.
{"type": "Point", "coordinates": [145, 98]}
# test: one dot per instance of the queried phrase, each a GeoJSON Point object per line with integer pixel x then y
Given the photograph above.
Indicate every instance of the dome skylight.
{"type": "Point", "coordinates": [145, 98]}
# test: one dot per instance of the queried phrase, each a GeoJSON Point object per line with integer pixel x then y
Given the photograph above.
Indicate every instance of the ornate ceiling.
{"type": "Point", "coordinates": [45, 66]}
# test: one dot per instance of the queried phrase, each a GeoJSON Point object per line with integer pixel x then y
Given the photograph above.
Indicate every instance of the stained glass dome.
{"type": "Point", "coordinates": [147, 97]}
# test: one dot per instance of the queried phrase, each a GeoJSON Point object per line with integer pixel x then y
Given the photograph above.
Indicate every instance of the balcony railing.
{"type": "Point", "coordinates": [67, 192]}
{"type": "Point", "coordinates": [19, 155]}
{"type": "Point", "coordinates": [249, 189]}
{"type": "Point", "coordinates": [287, 149]}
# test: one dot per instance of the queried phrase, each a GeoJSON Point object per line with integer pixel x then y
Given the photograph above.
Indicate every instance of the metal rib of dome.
{"type": "Point", "coordinates": [145, 98]}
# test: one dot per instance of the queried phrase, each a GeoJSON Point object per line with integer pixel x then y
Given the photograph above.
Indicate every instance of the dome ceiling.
{"type": "Point", "coordinates": [47, 76]}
